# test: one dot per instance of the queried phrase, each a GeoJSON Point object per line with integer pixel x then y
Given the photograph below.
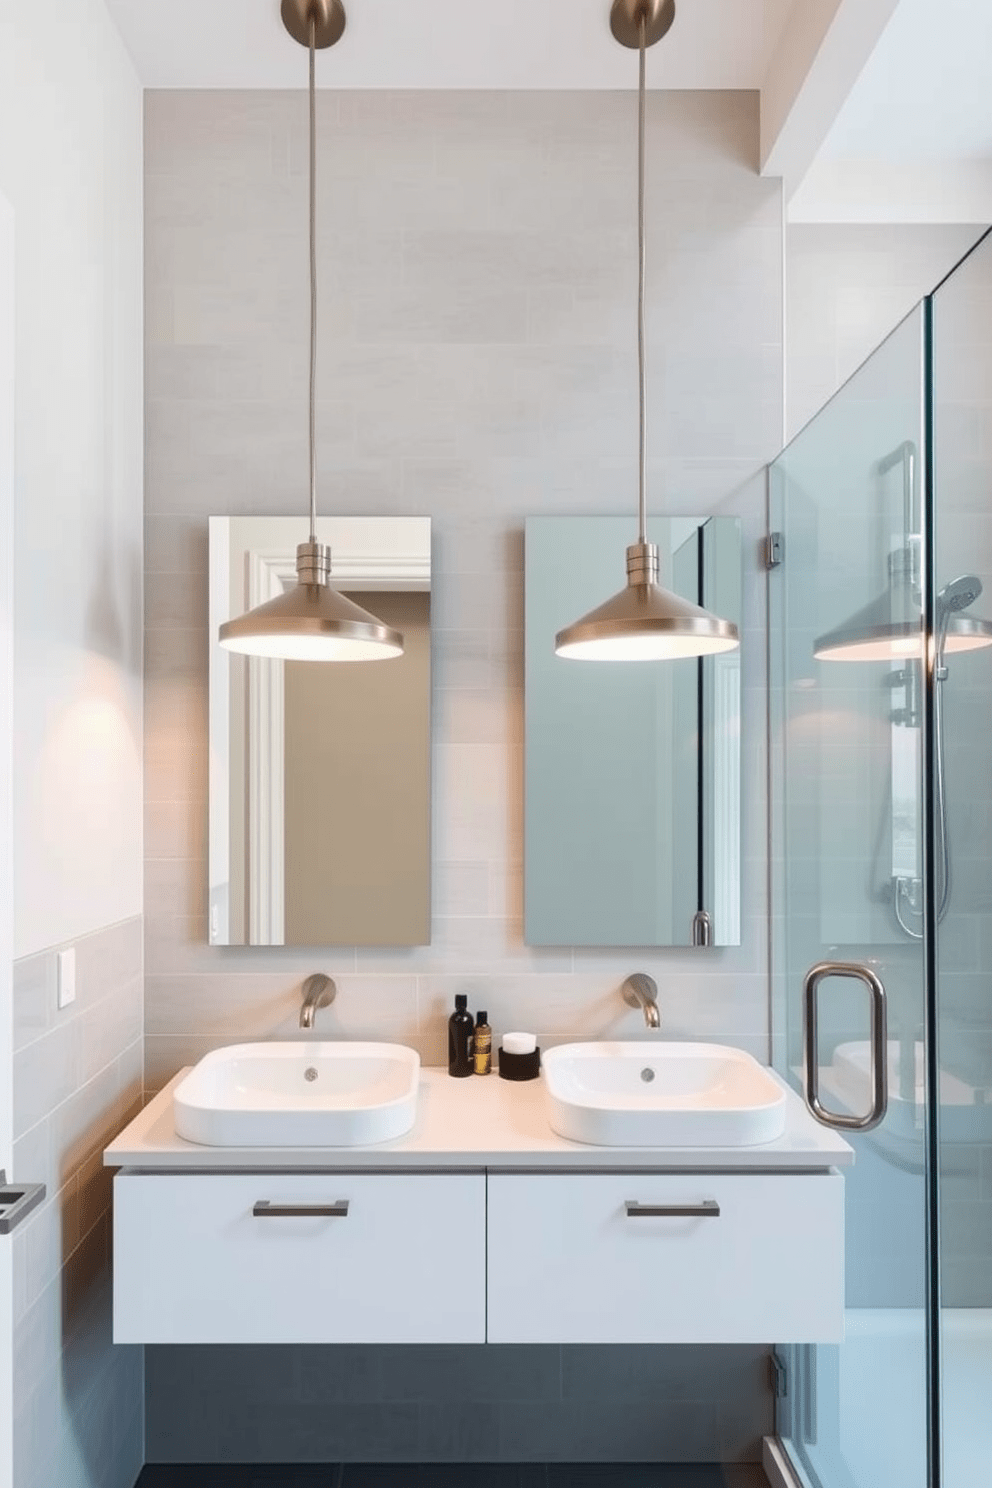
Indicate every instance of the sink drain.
{"type": "Point", "coordinates": [310, 1074]}
{"type": "Point", "coordinates": [647, 1075]}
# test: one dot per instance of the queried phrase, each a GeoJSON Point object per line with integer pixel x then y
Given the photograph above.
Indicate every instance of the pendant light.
{"type": "Point", "coordinates": [312, 621]}
{"type": "Point", "coordinates": [644, 622]}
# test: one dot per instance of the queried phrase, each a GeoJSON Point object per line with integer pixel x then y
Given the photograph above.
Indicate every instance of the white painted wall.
{"type": "Point", "coordinates": [71, 165]}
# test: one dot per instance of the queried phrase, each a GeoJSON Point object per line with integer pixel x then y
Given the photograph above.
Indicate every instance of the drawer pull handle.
{"type": "Point", "coordinates": [265, 1209]}
{"type": "Point", "coordinates": [708, 1209]}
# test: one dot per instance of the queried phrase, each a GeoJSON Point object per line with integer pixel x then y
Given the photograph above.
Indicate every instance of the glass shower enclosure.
{"type": "Point", "coordinates": [880, 735]}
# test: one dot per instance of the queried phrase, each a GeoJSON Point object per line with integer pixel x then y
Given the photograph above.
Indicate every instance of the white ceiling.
{"type": "Point", "coordinates": [448, 44]}
{"type": "Point", "coordinates": [926, 90]}
{"type": "Point", "coordinates": [871, 110]}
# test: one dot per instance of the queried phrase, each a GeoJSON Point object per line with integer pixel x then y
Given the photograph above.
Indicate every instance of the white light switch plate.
{"type": "Point", "coordinates": [67, 977]}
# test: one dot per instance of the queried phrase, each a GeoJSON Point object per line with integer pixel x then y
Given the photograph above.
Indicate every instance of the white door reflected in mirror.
{"type": "Point", "coordinates": [320, 775]}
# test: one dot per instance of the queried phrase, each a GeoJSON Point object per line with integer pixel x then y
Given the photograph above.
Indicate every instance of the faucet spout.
{"type": "Point", "coordinates": [318, 992]}
{"type": "Point", "coordinates": [640, 990]}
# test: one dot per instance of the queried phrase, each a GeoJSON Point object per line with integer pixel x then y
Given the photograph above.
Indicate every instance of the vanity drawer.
{"type": "Point", "coordinates": [193, 1263]}
{"type": "Point", "coordinates": [568, 1264]}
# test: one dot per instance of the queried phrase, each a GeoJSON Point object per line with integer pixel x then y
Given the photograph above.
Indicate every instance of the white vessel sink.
{"type": "Point", "coordinates": [661, 1095]}
{"type": "Point", "coordinates": [299, 1095]}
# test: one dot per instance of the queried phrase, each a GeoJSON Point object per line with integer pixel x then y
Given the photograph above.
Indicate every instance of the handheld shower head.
{"type": "Point", "coordinates": [959, 635]}
{"type": "Point", "coordinates": [959, 594]}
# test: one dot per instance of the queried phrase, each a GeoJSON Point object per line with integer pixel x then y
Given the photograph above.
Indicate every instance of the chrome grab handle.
{"type": "Point", "coordinates": [265, 1209]}
{"type": "Point", "coordinates": [708, 1209]}
{"type": "Point", "coordinates": [879, 1046]}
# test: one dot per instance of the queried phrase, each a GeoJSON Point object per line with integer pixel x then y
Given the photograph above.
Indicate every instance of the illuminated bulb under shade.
{"type": "Point", "coordinates": [645, 622]}
{"type": "Point", "coordinates": [658, 647]}
{"type": "Point", "coordinates": [890, 627]}
{"type": "Point", "coordinates": [962, 635]}
{"type": "Point", "coordinates": [312, 621]}
{"type": "Point", "coordinates": [311, 648]}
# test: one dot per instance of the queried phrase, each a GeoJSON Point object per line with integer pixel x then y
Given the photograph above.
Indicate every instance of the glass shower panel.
{"type": "Point", "coordinates": [845, 721]}
{"type": "Point", "coordinates": [962, 446]}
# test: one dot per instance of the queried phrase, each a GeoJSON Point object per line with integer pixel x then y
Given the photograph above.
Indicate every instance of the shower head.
{"type": "Point", "coordinates": [889, 628]}
{"type": "Point", "coordinates": [959, 594]}
{"type": "Point", "coordinates": [966, 633]}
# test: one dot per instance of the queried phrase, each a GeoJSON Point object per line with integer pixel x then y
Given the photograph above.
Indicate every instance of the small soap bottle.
{"type": "Point", "coordinates": [482, 1045]}
{"type": "Point", "coordinates": [460, 1039]}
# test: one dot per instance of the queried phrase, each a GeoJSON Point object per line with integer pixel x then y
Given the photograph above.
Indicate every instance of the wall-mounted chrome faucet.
{"type": "Point", "coordinates": [640, 990]}
{"type": "Point", "coordinates": [318, 992]}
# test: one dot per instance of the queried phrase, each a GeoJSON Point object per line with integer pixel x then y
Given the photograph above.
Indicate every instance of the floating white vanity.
{"type": "Point", "coordinates": [479, 1225]}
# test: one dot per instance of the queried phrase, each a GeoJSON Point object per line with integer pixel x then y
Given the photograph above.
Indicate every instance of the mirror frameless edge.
{"type": "Point", "coordinates": [630, 830]}
{"type": "Point", "coordinates": [320, 834]}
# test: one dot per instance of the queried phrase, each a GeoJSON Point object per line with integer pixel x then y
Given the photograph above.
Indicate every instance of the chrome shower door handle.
{"type": "Point", "coordinates": [879, 1046]}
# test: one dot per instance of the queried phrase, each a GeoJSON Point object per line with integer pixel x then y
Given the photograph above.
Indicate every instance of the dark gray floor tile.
{"type": "Point", "coordinates": [325, 1475]}
{"type": "Point", "coordinates": [212, 1475]}
{"type": "Point", "coordinates": [655, 1475]}
{"type": "Point", "coordinates": [455, 1475]}
{"type": "Point", "coordinates": [633, 1475]}
{"type": "Point", "coordinates": [447, 1475]}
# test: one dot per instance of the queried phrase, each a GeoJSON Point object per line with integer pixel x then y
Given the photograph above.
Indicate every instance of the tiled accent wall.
{"type": "Point", "coordinates": [490, 1403]}
{"type": "Point", "coordinates": [77, 1082]}
{"type": "Point", "coordinates": [477, 364]}
{"type": "Point", "coordinates": [478, 296]}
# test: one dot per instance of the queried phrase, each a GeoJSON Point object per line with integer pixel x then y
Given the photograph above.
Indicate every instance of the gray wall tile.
{"type": "Point", "coordinates": [456, 1404]}
{"type": "Point", "coordinates": [609, 1430]}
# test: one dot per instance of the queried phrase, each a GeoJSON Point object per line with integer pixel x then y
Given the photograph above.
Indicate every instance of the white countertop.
{"type": "Point", "coordinates": [473, 1123]}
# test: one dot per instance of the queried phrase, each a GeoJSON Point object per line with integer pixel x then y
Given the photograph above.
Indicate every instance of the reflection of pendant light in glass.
{"type": "Point", "coordinates": [890, 627]}
{"type": "Point", "coordinates": [312, 621]}
{"type": "Point", "coordinates": [644, 622]}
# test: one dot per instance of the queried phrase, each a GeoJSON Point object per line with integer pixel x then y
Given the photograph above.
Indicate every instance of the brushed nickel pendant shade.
{"type": "Point", "coordinates": [644, 622]}
{"type": "Point", "coordinates": [312, 621]}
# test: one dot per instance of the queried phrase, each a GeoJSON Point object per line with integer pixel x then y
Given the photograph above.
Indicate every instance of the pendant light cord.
{"type": "Point", "coordinates": [642, 469]}
{"type": "Point", "coordinates": [313, 281]}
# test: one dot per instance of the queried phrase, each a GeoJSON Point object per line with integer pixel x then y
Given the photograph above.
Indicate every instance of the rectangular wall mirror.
{"type": "Point", "coordinates": [632, 780]}
{"type": "Point", "coordinates": [320, 800]}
